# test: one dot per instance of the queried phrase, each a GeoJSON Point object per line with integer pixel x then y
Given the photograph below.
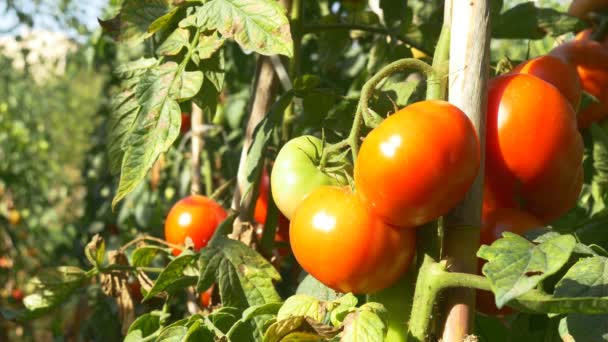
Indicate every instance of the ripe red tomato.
{"type": "Point", "coordinates": [493, 224]}
{"type": "Point", "coordinates": [261, 208]}
{"type": "Point", "coordinates": [345, 246]}
{"type": "Point", "coordinates": [557, 72]}
{"type": "Point", "coordinates": [418, 163]}
{"type": "Point", "coordinates": [296, 173]}
{"type": "Point", "coordinates": [591, 61]}
{"type": "Point", "coordinates": [205, 297]}
{"type": "Point", "coordinates": [186, 123]}
{"type": "Point", "coordinates": [195, 217]}
{"type": "Point", "coordinates": [581, 8]}
{"type": "Point", "coordinates": [17, 295]}
{"type": "Point", "coordinates": [534, 150]}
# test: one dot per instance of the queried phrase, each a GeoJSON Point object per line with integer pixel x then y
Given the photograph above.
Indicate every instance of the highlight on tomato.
{"type": "Point", "coordinates": [556, 72]}
{"type": "Point", "coordinates": [340, 242]}
{"type": "Point", "coordinates": [493, 224]}
{"type": "Point", "coordinates": [534, 151]}
{"type": "Point", "coordinates": [418, 163]}
{"type": "Point", "coordinates": [195, 217]}
{"type": "Point", "coordinates": [296, 173]}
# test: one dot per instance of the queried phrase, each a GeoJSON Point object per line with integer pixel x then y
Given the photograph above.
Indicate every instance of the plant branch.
{"type": "Point", "coordinates": [357, 27]}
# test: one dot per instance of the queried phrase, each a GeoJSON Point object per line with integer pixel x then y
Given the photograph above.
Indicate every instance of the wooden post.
{"type": "Point", "coordinates": [197, 147]}
{"type": "Point", "coordinates": [469, 58]}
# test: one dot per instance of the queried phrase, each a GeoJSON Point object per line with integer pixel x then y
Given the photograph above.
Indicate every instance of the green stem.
{"type": "Point", "coordinates": [363, 112]}
{"type": "Point", "coordinates": [427, 289]}
{"type": "Point", "coordinates": [437, 82]}
{"type": "Point", "coordinates": [207, 171]}
{"type": "Point", "coordinates": [294, 62]}
{"type": "Point", "coordinates": [358, 27]}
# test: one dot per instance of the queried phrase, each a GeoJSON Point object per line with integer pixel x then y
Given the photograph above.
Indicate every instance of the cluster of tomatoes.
{"type": "Point", "coordinates": [362, 240]}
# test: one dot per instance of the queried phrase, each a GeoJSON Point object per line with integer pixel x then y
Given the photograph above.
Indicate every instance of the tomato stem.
{"type": "Point", "coordinates": [366, 28]}
{"type": "Point", "coordinates": [294, 63]}
{"type": "Point", "coordinates": [437, 82]}
{"type": "Point", "coordinates": [370, 118]}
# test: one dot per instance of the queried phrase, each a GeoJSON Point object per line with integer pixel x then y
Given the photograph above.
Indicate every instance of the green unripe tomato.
{"type": "Point", "coordinates": [296, 173]}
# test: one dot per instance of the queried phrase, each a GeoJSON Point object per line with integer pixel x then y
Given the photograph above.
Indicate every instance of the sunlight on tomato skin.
{"type": "Point", "coordinates": [493, 224]}
{"type": "Point", "coordinates": [196, 217]}
{"type": "Point", "coordinates": [534, 151]}
{"type": "Point", "coordinates": [341, 243]}
{"type": "Point", "coordinates": [418, 163]}
{"type": "Point", "coordinates": [558, 73]}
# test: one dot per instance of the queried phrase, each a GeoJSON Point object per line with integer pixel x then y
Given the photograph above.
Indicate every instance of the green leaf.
{"type": "Point", "coordinates": [233, 263]}
{"type": "Point", "coordinates": [305, 306]}
{"type": "Point", "coordinates": [176, 41]}
{"type": "Point", "coordinates": [587, 278]}
{"type": "Point", "coordinates": [53, 287]}
{"type": "Point", "coordinates": [257, 25]}
{"type": "Point", "coordinates": [213, 69]}
{"type": "Point", "coordinates": [264, 309]}
{"type": "Point", "coordinates": [208, 45]}
{"type": "Point", "coordinates": [156, 124]}
{"type": "Point", "coordinates": [515, 265]}
{"type": "Point", "coordinates": [368, 323]}
{"type": "Point", "coordinates": [134, 21]}
{"type": "Point", "coordinates": [298, 328]}
{"type": "Point", "coordinates": [526, 21]}
{"type": "Point", "coordinates": [599, 181]}
{"type": "Point", "coordinates": [174, 273]}
{"type": "Point", "coordinates": [143, 256]}
{"type": "Point", "coordinates": [173, 334]}
{"type": "Point", "coordinates": [144, 325]}
{"type": "Point", "coordinates": [312, 287]}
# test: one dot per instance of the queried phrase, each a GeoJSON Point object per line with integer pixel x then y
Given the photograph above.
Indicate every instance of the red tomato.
{"type": "Point", "coordinates": [17, 295]}
{"type": "Point", "coordinates": [261, 208]}
{"type": "Point", "coordinates": [345, 246]}
{"type": "Point", "coordinates": [418, 163]}
{"type": "Point", "coordinates": [557, 72]}
{"type": "Point", "coordinates": [195, 217]}
{"type": "Point", "coordinates": [591, 61]}
{"type": "Point", "coordinates": [493, 224]}
{"type": "Point", "coordinates": [205, 297]}
{"type": "Point", "coordinates": [534, 150]}
{"type": "Point", "coordinates": [186, 123]}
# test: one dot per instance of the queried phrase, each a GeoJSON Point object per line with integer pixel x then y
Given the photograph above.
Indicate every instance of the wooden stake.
{"type": "Point", "coordinates": [469, 58]}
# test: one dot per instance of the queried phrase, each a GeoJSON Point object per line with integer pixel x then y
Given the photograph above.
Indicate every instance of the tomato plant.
{"type": "Point", "coordinates": [332, 221]}
{"type": "Point", "coordinates": [403, 182]}
{"type": "Point", "coordinates": [296, 173]}
{"type": "Point", "coordinates": [534, 150]}
{"type": "Point", "coordinates": [193, 218]}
